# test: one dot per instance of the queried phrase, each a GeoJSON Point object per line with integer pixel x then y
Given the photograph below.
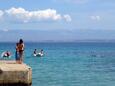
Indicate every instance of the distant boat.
{"type": "Point", "coordinates": [6, 55]}
{"type": "Point", "coordinates": [38, 54]}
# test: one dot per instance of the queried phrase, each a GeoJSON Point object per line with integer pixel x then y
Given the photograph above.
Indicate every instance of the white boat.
{"type": "Point", "coordinates": [38, 54]}
{"type": "Point", "coordinates": [5, 55]}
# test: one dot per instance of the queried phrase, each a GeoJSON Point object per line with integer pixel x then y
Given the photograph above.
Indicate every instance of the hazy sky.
{"type": "Point", "coordinates": [37, 20]}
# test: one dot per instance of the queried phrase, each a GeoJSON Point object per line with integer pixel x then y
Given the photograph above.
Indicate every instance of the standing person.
{"type": "Point", "coordinates": [17, 52]}
{"type": "Point", "coordinates": [21, 50]}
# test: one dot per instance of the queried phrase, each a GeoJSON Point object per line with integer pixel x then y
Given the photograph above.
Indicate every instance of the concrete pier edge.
{"type": "Point", "coordinates": [14, 74]}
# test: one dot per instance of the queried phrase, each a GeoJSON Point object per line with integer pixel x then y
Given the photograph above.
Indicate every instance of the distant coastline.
{"type": "Point", "coordinates": [65, 41]}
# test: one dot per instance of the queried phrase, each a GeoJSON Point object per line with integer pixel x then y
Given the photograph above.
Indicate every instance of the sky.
{"type": "Point", "coordinates": [57, 20]}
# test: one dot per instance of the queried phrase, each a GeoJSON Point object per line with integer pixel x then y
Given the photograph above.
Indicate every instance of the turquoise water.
{"type": "Point", "coordinates": [70, 64]}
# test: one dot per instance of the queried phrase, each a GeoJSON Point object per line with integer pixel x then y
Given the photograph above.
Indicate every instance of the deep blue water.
{"type": "Point", "coordinates": [70, 64]}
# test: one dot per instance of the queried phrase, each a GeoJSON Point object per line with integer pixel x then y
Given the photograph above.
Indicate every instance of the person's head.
{"type": "Point", "coordinates": [35, 49]}
{"type": "Point", "coordinates": [7, 52]}
{"type": "Point", "coordinates": [20, 41]}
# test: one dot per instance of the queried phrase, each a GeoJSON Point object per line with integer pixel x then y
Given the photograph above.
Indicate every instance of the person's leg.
{"type": "Point", "coordinates": [21, 56]}
{"type": "Point", "coordinates": [16, 57]}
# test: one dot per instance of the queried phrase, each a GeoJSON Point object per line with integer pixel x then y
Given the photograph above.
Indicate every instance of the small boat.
{"type": "Point", "coordinates": [38, 54]}
{"type": "Point", "coordinates": [6, 55]}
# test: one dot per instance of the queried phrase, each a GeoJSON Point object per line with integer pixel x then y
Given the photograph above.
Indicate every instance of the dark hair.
{"type": "Point", "coordinates": [20, 41]}
{"type": "Point", "coordinates": [17, 43]}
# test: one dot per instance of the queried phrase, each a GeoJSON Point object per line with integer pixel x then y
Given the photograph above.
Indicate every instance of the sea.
{"type": "Point", "coordinates": [69, 63]}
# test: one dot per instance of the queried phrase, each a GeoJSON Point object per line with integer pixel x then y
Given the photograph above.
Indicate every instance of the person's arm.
{"type": "Point", "coordinates": [22, 46]}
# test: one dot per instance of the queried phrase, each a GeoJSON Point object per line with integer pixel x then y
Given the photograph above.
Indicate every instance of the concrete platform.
{"type": "Point", "coordinates": [14, 74]}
